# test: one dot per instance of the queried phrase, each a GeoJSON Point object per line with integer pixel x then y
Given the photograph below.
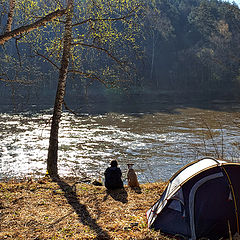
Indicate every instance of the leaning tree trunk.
{"type": "Point", "coordinates": [57, 112]}
{"type": "Point", "coordinates": [12, 4]}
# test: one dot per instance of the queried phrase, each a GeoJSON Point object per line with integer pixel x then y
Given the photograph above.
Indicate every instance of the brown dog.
{"type": "Point", "coordinates": [132, 177]}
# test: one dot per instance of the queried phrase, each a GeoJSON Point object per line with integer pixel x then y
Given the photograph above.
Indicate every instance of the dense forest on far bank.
{"type": "Point", "coordinates": [179, 46]}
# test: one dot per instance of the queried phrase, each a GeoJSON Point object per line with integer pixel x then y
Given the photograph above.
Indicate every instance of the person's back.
{"type": "Point", "coordinates": [113, 176]}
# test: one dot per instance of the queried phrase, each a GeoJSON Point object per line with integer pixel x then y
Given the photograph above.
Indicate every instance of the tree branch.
{"type": "Point", "coordinates": [17, 81]}
{"type": "Point", "coordinates": [18, 53]}
{"type": "Point", "coordinates": [99, 19]}
{"type": "Point", "coordinates": [39, 54]}
{"type": "Point", "coordinates": [88, 75]}
{"type": "Point", "coordinates": [99, 48]}
{"type": "Point", "coordinates": [107, 19]}
{"type": "Point", "coordinates": [28, 28]}
{"type": "Point", "coordinates": [69, 109]}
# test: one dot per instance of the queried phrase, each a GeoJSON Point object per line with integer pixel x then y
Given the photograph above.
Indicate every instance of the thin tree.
{"type": "Point", "coordinates": [57, 112]}
{"type": "Point", "coordinates": [98, 21]}
{"type": "Point", "coordinates": [12, 4]}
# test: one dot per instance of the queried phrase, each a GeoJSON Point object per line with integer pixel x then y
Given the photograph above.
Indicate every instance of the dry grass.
{"type": "Point", "coordinates": [43, 209]}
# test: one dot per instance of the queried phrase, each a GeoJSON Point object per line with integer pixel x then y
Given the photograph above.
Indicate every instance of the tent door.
{"type": "Point", "coordinates": [192, 200]}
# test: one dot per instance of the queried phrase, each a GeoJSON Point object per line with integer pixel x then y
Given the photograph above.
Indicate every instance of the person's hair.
{"type": "Point", "coordinates": [114, 163]}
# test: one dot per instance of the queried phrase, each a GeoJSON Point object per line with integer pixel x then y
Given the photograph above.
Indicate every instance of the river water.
{"type": "Point", "coordinates": [158, 143]}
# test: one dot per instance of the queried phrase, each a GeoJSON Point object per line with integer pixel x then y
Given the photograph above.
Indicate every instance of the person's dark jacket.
{"type": "Point", "coordinates": [113, 178]}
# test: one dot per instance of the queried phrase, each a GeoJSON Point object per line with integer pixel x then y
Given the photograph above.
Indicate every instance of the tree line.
{"type": "Point", "coordinates": [192, 45]}
{"type": "Point", "coordinates": [167, 45]}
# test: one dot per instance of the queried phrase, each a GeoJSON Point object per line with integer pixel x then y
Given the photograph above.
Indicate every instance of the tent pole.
{"type": "Point", "coordinates": [234, 197]}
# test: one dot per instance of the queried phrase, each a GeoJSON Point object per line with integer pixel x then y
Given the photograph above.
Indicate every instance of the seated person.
{"type": "Point", "coordinates": [113, 176]}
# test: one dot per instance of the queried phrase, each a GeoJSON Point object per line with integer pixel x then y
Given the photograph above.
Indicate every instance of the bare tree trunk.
{"type": "Point", "coordinates": [53, 141]}
{"type": "Point", "coordinates": [153, 54]}
{"type": "Point", "coordinates": [12, 4]}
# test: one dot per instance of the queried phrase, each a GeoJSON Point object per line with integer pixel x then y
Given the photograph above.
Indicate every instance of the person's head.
{"type": "Point", "coordinates": [113, 163]}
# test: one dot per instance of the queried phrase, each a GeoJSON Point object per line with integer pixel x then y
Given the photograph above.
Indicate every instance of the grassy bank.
{"type": "Point", "coordinates": [42, 209]}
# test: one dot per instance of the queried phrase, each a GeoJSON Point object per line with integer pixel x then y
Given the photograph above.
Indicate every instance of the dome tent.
{"type": "Point", "coordinates": [201, 200]}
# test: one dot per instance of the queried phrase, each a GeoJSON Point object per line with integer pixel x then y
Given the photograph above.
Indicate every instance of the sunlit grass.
{"type": "Point", "coordinates": [41, 208]}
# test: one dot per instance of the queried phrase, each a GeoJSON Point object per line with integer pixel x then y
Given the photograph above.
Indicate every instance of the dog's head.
{"type": "Point", "coordinates": [130, 165]}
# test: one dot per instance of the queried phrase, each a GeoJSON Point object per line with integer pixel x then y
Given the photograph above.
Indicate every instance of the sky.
{"type": "Point", "coordinates": [236, 1]}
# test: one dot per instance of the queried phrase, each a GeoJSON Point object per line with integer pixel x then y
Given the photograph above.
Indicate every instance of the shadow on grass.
{"type": "Point", "coordinates": [81, 210]}
{"type": "Point", "coordinates": [137, 190]}
{"type": "Point", "coordinates": [117, 194]}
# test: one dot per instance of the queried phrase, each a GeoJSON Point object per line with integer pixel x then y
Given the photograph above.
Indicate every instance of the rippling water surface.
{"type": "Point", "coordinates": [157, 143]}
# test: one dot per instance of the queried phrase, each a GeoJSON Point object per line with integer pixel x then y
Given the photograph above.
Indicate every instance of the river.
{"type": "Point", "coordinates": [157, 142]}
